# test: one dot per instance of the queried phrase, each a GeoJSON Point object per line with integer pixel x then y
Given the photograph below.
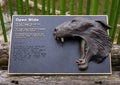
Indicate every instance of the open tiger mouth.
{"type": "Point", "coordinates": [60, 40]}
{"type": "Point", "coordinates": [82, 62]}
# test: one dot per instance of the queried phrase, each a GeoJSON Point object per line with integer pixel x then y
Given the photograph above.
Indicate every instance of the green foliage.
{"type": "Point", "coordinates": [106, 5]}
{"type": "Point", "coordinates": [27, 7]}
{"type": "Point", "coordinates": [80, 7]}
{"type": "Point", "coordinates": [10, 8]}
{"type": "Point", "coordinates": [72, 7]}
{"type": "Point", "coordinates": [88, 7]}
{"type": "Point", "coordinates": [53, 7]}
{"type": "Point", "coordinates": [116, 19]}
{"type": "Point", "coordinates": [112, 15]}
{"type": "Point", "coordinates": [43, 7]}
{"type": "Point", "coordinates": [48, 7]}
{"type": "Point", "coordinates": [20, 7]}
{"type": "Point", "coordinates": [35, 7]}
{"type": "Point", "coordinates": [62, 7]}
{"type": "Point", "coordinates": [17, 2]}
{"type": "Point", "coordinates": [95, 4]}
{"type": "Point", "coordinates": [3, 26]}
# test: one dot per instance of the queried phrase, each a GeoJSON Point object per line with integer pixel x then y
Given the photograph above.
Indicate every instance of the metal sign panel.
{"type": "Point", "coordinates": [34, 49]}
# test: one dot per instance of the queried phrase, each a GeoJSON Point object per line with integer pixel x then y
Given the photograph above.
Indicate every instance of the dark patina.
{"type": "Point", "coordinates": [95, 44]}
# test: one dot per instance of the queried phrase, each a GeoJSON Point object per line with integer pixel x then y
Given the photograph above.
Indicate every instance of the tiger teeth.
{"type": "Point", "coordinates": [62, 40]}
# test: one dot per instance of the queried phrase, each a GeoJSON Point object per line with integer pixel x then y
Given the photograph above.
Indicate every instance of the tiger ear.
{"type": "Point", "coordinates": [104, 24]}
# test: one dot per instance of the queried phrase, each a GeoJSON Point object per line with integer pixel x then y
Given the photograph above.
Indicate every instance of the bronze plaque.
{"type": "Point", "coordinates": [34, 49]}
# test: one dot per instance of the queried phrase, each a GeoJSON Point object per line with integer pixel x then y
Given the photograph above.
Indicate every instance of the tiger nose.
{"type": "Point", "coordinates": [55, 31]}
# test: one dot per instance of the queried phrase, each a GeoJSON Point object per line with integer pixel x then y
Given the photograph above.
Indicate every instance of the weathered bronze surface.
{"type": "Point", "coordinates": [34, 49]}
{"type": "Point", "coordinates": [95, 44]}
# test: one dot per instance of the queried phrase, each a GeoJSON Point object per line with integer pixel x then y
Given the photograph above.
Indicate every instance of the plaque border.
{"type": "Point", "coordinates": [69, 74]}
